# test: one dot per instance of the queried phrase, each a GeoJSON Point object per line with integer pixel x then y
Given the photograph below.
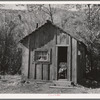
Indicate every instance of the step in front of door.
{"type": "Point", "coordinates": [62, 83]}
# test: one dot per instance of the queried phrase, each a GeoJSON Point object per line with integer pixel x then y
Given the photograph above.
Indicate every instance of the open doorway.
{"type": "Point", "coordinates": [62, 62]}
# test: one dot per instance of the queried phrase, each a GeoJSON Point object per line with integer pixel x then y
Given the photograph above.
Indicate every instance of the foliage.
{"type": "Point", "coordinates": [88, 29]}
{"type": "Point", "coordinates": [10, 56]}
{"type": "Point", "coordinates": [92, 29]}
{"type": "Point", "coordinates": [82, 23]}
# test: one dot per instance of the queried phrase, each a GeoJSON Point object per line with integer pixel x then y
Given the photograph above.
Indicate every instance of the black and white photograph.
{"type": "Point", "coordinates": [48, 48]}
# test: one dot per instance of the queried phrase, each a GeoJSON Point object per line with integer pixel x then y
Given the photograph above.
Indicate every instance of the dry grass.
{"type": "Point", "coordinates": [11, 84]}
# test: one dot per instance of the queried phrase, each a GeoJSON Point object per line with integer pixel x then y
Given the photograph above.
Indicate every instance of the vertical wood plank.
{"type": "Point", "coordinates": [53, 62]}
{"type": "Point", "coordinates": [78, 64]}
{"type": "Point", "coordinates": [39, 71]}
{"type": "Point", "coordinates": [84, 62]}
{"type": "Point", "coordinates": [25, 59]}
{"type": "Point", "coordinates": [32, 71]}
{"type": "Point", "coordinates": [51, 72]}
{"type": "Point", "coordinates": [29, 60]}
{"type": "Point", "coordinates": [56, 63]}
{"type": "Point", "coordinates": [69, 60]}
{"type": "Point", "coordinates": [48, 71]}
{"type": "Point", "coordinates": [32, 55]}
{"type": "Point", "coordinates": [55, 54]}
{"type": "Point", "coordinates": [35, 71]}
{"type": "Point", "coordinates": [45, 71]}
{"type": "Point", "coordinates": [67, 39]}
{"type": "Point", "coordinates": [74, 61]}
{"type": "Point", "coordinates": [42, 71]}
{"type": "Point", "coordinates": [31, 68]}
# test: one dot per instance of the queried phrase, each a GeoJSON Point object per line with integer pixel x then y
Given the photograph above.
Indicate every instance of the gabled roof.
{"type": "Point", "coordinates": [49, 22]}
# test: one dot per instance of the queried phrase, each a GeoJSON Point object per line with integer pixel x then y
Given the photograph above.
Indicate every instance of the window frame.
{"type": "Point", "coordinates": [44, 61]}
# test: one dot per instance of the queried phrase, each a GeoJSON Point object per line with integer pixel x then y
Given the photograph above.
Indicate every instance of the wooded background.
{"type": "Point", "coordinates": [81, 21]}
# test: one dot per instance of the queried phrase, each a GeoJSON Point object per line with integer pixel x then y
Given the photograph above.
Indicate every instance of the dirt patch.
{"type": "Point", "coordinates": [12, 84]}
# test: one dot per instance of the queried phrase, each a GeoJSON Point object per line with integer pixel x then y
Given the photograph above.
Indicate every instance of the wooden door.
{"type": "Point", "coordinates": [62, 62]}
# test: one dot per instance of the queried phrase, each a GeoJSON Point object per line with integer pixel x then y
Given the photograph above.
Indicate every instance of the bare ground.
{"type": "Point", "coordinates": [11, 84]}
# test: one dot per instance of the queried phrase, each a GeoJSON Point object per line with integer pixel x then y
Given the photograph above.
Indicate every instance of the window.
{"type": "Point", "coordinates": [42, 56]}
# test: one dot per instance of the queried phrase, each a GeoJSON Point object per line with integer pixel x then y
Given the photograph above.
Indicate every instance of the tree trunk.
{"type": "Point", "coordinates": [51, 15]}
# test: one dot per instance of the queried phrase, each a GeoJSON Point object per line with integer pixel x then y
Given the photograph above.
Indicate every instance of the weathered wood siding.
{"type": "Point", "coordinates": [43, 39]}
{"type": "Point", "coordinates": [74, 60]}
{"type": "Point", "coordinates": [62, 38]}
{"type": "Point", "coordinates": [81, 62]}
{"type": "Point", "coordinates": [69, 60]}
{"type": "Point", "coordinates": [25, 57]}
{"type": "Point", "coordinates": [49, 38]}
{"type": "Point", "coordinates": [46, 39]}
{"type": "Point", "coordinates": [39, 71]}
{"type": "Point", "coordinates": [45, 72]}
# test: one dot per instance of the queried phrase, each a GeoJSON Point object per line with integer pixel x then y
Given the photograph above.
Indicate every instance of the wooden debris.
{"type": "Point", "coordinates": [63, 87]}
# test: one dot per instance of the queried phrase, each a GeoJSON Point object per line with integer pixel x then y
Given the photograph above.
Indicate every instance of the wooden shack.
{"type": "Point", "coordinates": [48, 48]}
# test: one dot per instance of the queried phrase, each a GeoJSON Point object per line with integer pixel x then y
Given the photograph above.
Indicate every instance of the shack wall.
{"type": "Point", "coordinates": [25, 57]}
{"type": "Point", "coordinates": [81, 62]}
{"type": "Point", "coordinates": [44, 39]}
{"type": "Point", "coordinates": [48, 38]}
{"type": "Point", "coordinates": [69, 60]}
{"type": "Point", "coordinates": [74, 60]}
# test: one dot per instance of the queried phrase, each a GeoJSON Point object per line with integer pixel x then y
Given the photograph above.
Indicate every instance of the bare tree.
{"type": "Point", "coordinates": [9, 54]}
{"type": "Point", "coordinates": [89, 32]}
{"type": "Point", "coordinates": [84, 23]}
{"type": "Point", "coordinates": [48, 10]}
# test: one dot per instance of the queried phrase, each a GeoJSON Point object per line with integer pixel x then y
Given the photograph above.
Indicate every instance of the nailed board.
{"type": "Point", "coordinates": [45, 72]}
{"type": "Point", "coordinates": [74, 60]}
{"type": "Point", "coordinates": [38, 71]}
{"type": "Point", "coordinates": [62, 39]}
{"type": "Point", "coordinates": [69, 57]}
